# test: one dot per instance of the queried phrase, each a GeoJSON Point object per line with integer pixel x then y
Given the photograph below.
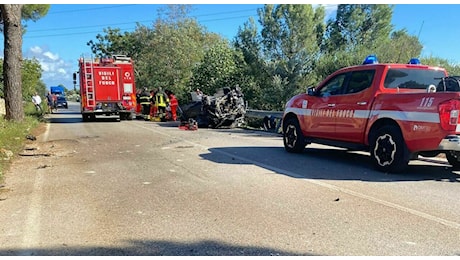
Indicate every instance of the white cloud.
{"type": "Point", "coordinates": [51, 56]}
{"type": "Point", "coordinates": [36, 49]}
{"type": "Point", "coordinates": [56, 71]}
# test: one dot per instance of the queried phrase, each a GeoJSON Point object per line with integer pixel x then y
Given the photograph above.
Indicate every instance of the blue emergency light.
{"type": "Point", "coordinates": [414, 61]}
{"type": "Point", "coordinates": [370, 59]}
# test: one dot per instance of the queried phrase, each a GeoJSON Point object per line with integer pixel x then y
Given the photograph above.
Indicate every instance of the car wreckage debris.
{"type": "Point", "coordinates": [225, 109]}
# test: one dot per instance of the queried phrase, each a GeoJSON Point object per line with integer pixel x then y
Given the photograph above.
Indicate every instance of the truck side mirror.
{"type": "Point", "coordinates": [311, 91]}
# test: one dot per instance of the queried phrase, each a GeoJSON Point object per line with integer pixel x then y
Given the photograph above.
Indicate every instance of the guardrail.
{"type": "Point", "coordinates": [272, 119]}
{"type": "Point", "coordinates": [263, 113]}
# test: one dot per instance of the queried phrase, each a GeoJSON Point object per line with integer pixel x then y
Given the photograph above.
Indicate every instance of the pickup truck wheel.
{"type": "Point", "coordinates": [453, 157]}
{"type": "Point", "coordinates": [293, 139]}
{"type": "Point", "coordinates": [388, 149]}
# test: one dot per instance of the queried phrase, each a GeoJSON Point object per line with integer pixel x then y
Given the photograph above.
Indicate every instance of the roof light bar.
{"type": "Point", "coordinates": [370, 59]}
{"type": "Point", "coordinates": [414, 61]}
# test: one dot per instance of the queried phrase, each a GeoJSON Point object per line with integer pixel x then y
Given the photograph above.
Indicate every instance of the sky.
{"type": "Point", "coordinates": [60, 38]}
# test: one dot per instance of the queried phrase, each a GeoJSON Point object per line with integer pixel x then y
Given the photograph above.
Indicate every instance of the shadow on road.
{"type": "Point", "coordinates": [154, 248]}
{"type": "Point", "coordinates": [329, 164]}
{"type": "Point", "coordinates": [71, 117]}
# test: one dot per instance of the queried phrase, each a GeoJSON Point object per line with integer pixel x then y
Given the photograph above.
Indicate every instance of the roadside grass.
{"type": "Point", "coordinates": [13, 136]}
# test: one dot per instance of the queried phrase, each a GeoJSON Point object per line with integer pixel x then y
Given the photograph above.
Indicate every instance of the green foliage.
{"type": "Point", "coordinates": [289, 37]}
{"type": "Point", "coordinates": [165, 53]}
{"type": "Point", "coordinates": [330, 62]}
{"type": "Point", "coordinates": [216, 70]}
{"type": "Point", "coordinates": [252, 70]}
{"type": "Point", "coordinates": [31, 12]}
{"type": "Point", "coordinates": [400, 47]}
{"type": "Point", "coordinates": [172, 54]}
{"type": "Point", "coordinates": [114, 42]}
{"type": "Point", "coordinates": [358, 25]}
{"type": "Point", "coordinates": [31, 79]}
{"type": "Point", "coordinates": [12, 134]}
{"type": "Point", "coordinates": [292, 49]}
{"type": "Point", "coordinates": [452, 68]}
{"type": "Point", "coordinates": [34, 11]}
{"type": "Point", "coordinates": [12, 17]}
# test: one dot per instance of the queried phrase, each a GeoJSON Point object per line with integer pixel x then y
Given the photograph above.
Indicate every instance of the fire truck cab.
{"type": "Point", "coordinates": [107, 87]}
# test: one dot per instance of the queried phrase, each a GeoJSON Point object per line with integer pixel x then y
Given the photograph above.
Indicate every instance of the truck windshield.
{"type": "Point", "coordinates": [412, 78]}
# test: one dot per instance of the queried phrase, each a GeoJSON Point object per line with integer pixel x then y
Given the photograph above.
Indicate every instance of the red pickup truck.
{"type": "Point", "coordinates": [394, 111]}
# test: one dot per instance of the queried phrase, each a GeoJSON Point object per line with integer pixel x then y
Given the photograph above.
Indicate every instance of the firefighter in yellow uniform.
{"type": "Point", "coordinates": [161, 102]}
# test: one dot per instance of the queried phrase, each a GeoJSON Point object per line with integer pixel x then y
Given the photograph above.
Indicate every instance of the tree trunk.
{"type": "Point", "coordinates": [12, 31]}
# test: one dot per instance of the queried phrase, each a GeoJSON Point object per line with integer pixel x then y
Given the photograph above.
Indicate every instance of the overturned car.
{"type": "Point", "coordinates": [225, 109]}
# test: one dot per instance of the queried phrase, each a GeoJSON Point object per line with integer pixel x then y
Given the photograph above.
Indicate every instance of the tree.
{"type": "Point", "coordinates": [34, 12]}
{"type": "Point", "coordinates": [31, 78]}
{"type": "Point", "coordinates": [358, 25]}
{"type": "Point", "coordinates": [253, 72]}
{"type": "Point", "coordinates": [11, 16]}
{"type": "Point", "coordinates": [31, 74]}
{"type": "Point", "coordinates": [290, 36]}
{"type": "Point", "coordinates": [361, 30]}
{"type": "Point", "coordinates": [114, 42]}
{"type": "Point", "coordinates": [400, 47]}
{"type": "Point", "coordinates": [165, 53]}
{"type": "Point", "coordinates": [452, 68]}
{"type": "Point", "coordinates": [216, 70]}
{"type": "Point", "coordinates": [174, 47]}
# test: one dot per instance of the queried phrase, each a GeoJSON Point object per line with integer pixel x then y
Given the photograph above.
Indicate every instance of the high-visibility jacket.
{"type": "Point", "coordinates": [161, 100]}
{"type": "Point", "coordinates": [144, 99]}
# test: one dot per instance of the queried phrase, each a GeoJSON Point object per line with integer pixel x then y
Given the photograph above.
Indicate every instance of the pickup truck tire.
{"type": "Point", "coordinates": [453, 157]}
{"type": "Point", "coordinates": [293, 139]}
{"type": "Point", "coordinates": [388, 149]}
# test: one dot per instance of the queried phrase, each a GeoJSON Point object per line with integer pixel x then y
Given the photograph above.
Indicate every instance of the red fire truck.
{"type": "Point", "coordinates": [107, 87]}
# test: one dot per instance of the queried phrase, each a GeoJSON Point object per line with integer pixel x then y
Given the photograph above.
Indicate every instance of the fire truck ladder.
{"type": "Point", "coordinates": [88, 68]}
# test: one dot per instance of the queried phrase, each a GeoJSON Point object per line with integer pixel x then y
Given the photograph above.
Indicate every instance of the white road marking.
{"type": "Point", "coordinates": [424, 215]}
{"type": "Point", "coordinates": [31, 233]}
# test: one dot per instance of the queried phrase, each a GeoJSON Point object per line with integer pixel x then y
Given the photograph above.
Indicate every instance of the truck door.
{"type": "Point", "coordinates": [106, 81]}
{"type": "Point", "coordinates": [353, 106]}
{"type": "Point", "coordinates": [323, 107]}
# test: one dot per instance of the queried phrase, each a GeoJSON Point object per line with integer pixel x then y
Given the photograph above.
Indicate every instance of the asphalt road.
{"type": "Point", "coordinates": [148, 188]}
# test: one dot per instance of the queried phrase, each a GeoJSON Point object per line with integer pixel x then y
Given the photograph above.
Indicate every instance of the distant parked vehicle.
{"type": "Point", "coordinates": [62, 102]}
{"type": "Point", "coordinates": [58, 90]}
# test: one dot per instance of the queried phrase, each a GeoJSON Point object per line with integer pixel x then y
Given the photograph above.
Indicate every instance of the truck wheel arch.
{"type": "Point", "coordinates": [388, 148]}
{"type": "Point", "coordinates": [293, 138]}
{"type": "Point", "coordinates": [379, 124]}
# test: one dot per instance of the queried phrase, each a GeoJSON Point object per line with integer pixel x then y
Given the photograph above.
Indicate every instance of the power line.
{"type": "Point", "coordinates": [113, 24]}
{"type": "Point", "coordinates": [69, 34]}
{"type": "Point", "coordinates": [99, 31]}
{"type": "Point", "coordinates": [81, 27]}
{"type": "Point", "coordinates": [89, 9]}
{"type": "Point", "coordinates": [121, 29]}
